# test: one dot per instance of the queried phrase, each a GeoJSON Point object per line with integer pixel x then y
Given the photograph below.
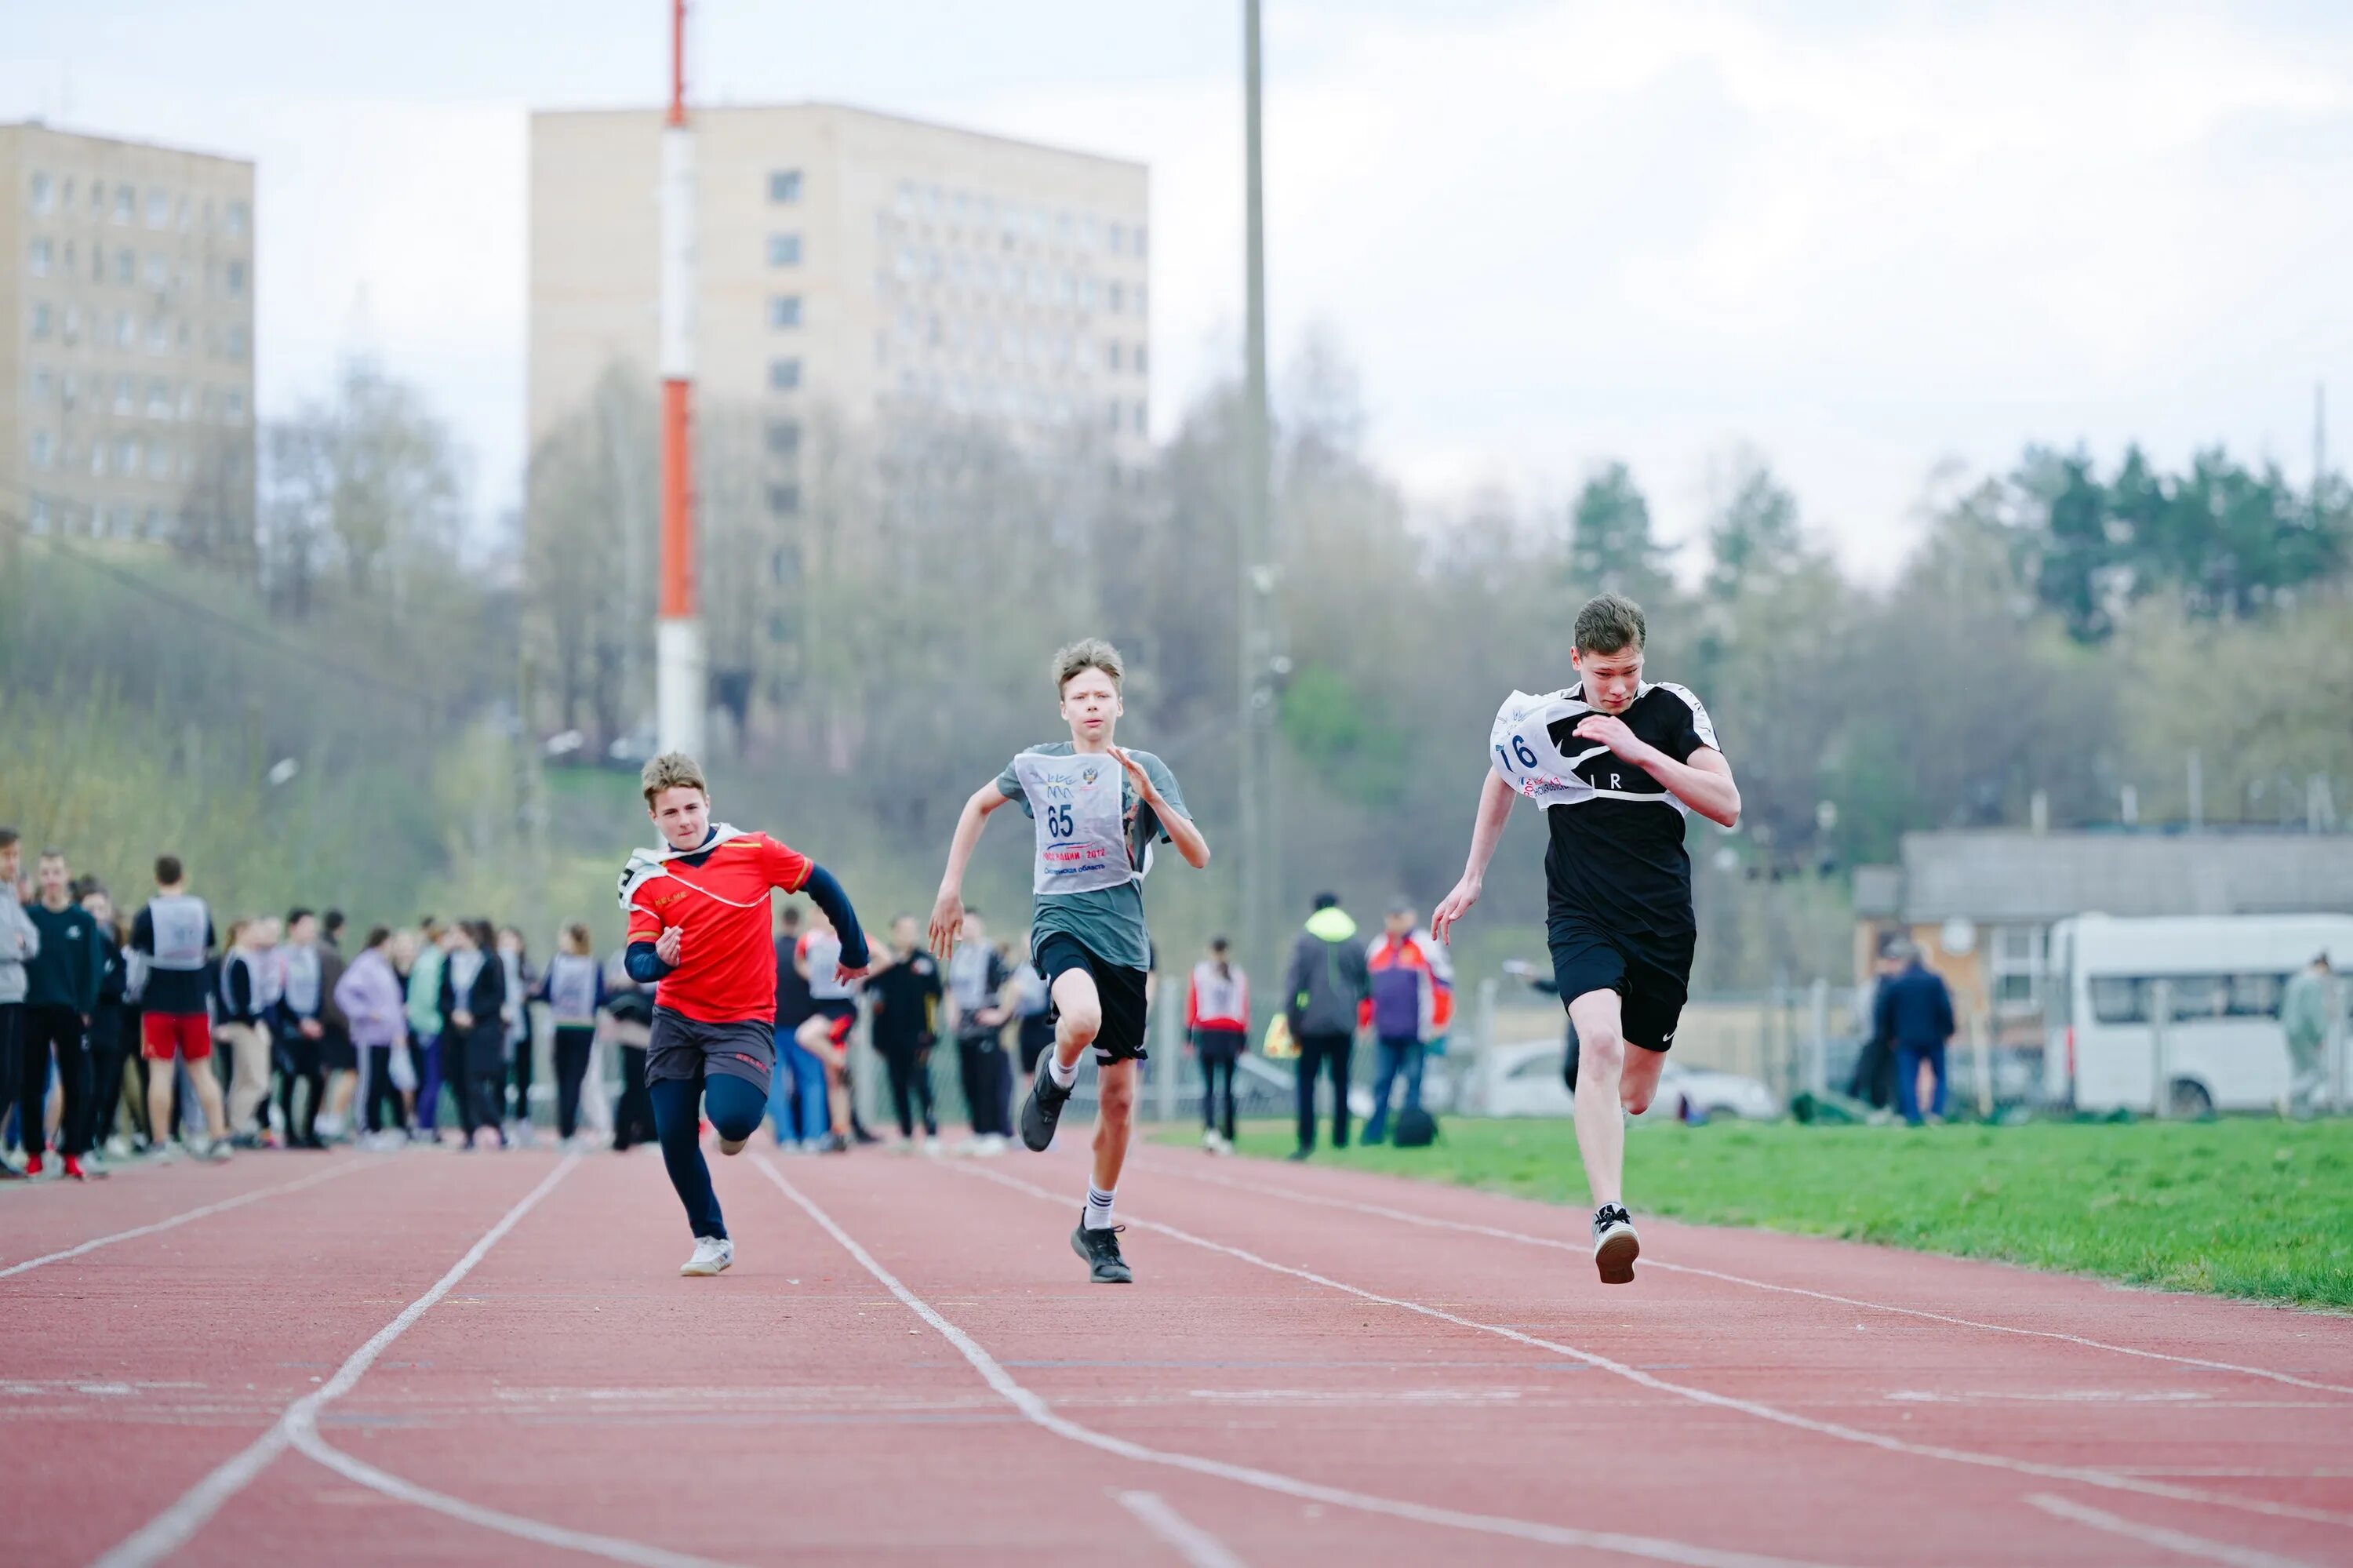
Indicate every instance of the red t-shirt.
{"type": "Point", "coordinates": [727, 970]}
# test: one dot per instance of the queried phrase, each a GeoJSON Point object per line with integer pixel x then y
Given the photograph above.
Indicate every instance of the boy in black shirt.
{"type": "Point", "coordinates": [904, 996]}
{"type": "Point", "coordinates": [1618, 764]}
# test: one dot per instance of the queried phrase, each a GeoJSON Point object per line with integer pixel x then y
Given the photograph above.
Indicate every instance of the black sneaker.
{"type": "Point", "coordinates": [1043, 1109]}
{"type": "Point", "coordinates": [1100, 1249]}
{"type": "Point", "coordinates": [1614, 1244]}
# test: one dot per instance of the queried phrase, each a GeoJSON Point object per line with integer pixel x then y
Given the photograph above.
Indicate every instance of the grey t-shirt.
{"type": "Point", "coordinates": [1107, 921]}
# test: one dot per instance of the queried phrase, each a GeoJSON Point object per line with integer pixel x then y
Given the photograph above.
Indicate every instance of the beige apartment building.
{"type": "Point", "coordinates": [849, 261]}
{"type": "Point", "coordinates": [126, 367]}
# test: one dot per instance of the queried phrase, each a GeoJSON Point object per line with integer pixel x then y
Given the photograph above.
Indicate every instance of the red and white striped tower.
{"type": "Point", "coordinates": [679, 687]}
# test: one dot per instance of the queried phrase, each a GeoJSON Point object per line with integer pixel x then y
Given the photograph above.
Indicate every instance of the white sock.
{"type": "Point", "coordinates": [1063, 1076]}
{"type": "Point", "coordinates": [1098, 1217]}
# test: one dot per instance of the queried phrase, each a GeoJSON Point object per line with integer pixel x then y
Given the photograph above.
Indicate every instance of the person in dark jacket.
{"type": "Point", "coordinates": [1326, 984]}
{"type": "Point", "coordinates": [1915, 1011]}
{"type": "Point", "coordinates": [1874, 1081]}
{"type": "Point", "coordinates": [473, 1002]}
{"type": "Point", "coordinates": [109, 1028]}
{"type": "Point", "coordinates": [61, 985]}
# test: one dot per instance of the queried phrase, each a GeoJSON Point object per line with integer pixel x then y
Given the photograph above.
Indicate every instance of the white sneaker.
{"type": "Point", "coordinates": [712, 1255]}
{"type": "Point", "coordinates": [1209, 1138]}
{"type": "Point", "coordinates": [932, 1147]}
{"type": "Point", "coordinates": [117, 1147]}
{"type": "Point", "coordinates": [329, 1128]}
{"type": "Point", "coordinates": [989, 1144]}
{"type": "Point", "coordinates": [217, 1150]}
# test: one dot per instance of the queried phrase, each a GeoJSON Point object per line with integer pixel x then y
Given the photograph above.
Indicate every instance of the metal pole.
{"type": "Point", "coordinates": [1261, 826]}
{"type": "Point", "coordinates": [1981, 1064]}
{"type": "Point", "coordinates": [1172, 1061]}
{"type": "Point", "coordinates": [1818, 1064]}
{"type": "Point", "coordinates": [2160, 1026]}
{"type": "Point", "coordinates": [678, 633]}
{"type": "Point", "coordinates": [2333, 991]}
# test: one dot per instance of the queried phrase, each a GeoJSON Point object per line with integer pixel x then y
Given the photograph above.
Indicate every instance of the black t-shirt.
{"type": "Point", "coordinates": [905, 999]}
{"type": "Point", "coordinates": [793, 1004]}
{"type": "Point", "coordinates": [1617, 853]}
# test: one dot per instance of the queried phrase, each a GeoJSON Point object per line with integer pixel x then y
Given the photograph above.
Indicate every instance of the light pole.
{"type": "Point", "coordinates": [1260, 666]}
{"type": "Point", "coordinates": [678, 631]}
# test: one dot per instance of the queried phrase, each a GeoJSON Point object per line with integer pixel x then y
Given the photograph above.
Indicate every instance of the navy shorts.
{"type": "Point", "coordinates": [1652, 975]}
{"type": "Point", "coordinates": [1119, 988]}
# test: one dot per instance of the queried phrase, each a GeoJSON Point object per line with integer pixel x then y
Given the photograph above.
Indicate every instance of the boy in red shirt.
{"type": "Point", "coordinates": [698, 913]}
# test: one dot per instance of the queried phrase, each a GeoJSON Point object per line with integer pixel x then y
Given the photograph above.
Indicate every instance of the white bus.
{"type": "Point", "coordinates": [2224, 1049]}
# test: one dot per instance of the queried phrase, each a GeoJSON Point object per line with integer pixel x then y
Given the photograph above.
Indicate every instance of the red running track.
{"type": "Point", "coordinates": [490, 1358]}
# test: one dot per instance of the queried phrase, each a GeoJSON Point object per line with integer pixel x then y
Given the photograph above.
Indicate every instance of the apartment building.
{"type": "Point", "coordinates": [126, 367]}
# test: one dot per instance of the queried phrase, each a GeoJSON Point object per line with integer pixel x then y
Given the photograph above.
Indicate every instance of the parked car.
{"type": "Point", "coordinates": [1524, 1080]}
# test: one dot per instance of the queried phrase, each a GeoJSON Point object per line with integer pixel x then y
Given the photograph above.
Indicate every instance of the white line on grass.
{"type": "Point", "coordinates": [1727, 1402]}
{"type": "Point", "coordinates": [171, 1529]}
{"type": "Point", "coordinates": [1197, 1546]}
{"type": "Point", "coordinates": [226, 1204]}
{"type": "Point", "coordinates": [2156, 1535]}
{"type": "Point", "coordinates": [1433, 1222]}
{"type": "Point", "coordinates": [1035, 1408]}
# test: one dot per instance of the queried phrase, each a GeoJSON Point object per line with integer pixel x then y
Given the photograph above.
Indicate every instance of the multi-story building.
{"type": "Point", "coordinates": [849, 261]}
{"type": "Point", "coordinates": [126, 365]}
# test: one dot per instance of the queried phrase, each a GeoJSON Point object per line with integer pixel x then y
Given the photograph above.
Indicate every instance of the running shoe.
{"type": "Point", "coordinates": [217, 1150]}
{"type": "Point", "coordinates": [711, 1256]}
{"type": "Point", "coordinates": [9, 1172]}
{"type": "Point", "coordinates": [33, 1165]}
{"type": "Point", "coordinates": [1614, 1244]}
{"type": "Point", "coordinates": [1100, 1249]}
{"type": "Point", "coordinates": [1043, 1109]}
{"type": "Point", "coordinates": [76, 1172]}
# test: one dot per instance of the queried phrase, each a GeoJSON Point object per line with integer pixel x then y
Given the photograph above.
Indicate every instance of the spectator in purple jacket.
{"type": "Point", "coordinates": [373, 999]}
{"type": "Point", "coordinates": [1405, 970]}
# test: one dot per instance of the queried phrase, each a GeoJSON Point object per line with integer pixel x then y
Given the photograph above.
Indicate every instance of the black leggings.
{"type": "Point", "coordinates": [298, 1062]}
{"type": "Point", "coordinates": [524, 1069]}
{"type": "Point", "coordinates": [1330, 1052]}
{"type": "Point", "coordinates": [49, 1028]}
{"type": "Point", "coordinates": [980, 1063]}
{"type": "Point", "coordinates": [1218, 1092]}
{"type": "Point", "coordinates": [109, 1044]}
{"type": "Point", "coordinates": [383, 1109]}
{"type": "Point", "coordinates": [572, 1043]}
{"type": "Point", "coordinates": [485, 1079]}
{"type": "Point", "coordinates": [735, 1106]}
{"type": "Point", "coordinates": [633, 1113]}
{"type": "Point", "coordinates": [910, 1088]}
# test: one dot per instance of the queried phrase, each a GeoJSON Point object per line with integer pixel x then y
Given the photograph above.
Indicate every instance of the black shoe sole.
{"type": "Point", "coordinates": [1099, 1272]}
{"type": "Point", "coordinates": [1615, 1257]}
{"type": "Point", "coordinates": [1038, 1123]}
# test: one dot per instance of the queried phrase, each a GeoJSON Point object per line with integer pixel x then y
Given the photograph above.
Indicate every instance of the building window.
{"type": "Point", "coordinates": [39, 520]}
{"type": "Point", "coordinates": [1143, 422]}
{"type": "Point", "coordinates": [1143, 359]}
{"type": "Point", "coordinates": [42, 447]}
{"type": "Point", "coordinates": [40, 260]}
{"type": "Point", "coordinates": [784, 311]}
{"type": "Point", "coordinates": [159, 210]}
{"type": "Point", "coordinates": [1117, 300]}
{"type": "Point", "coordinates": [69, 325]}
{"type": "Point", "coordinates": [159, 336]}
{"type": "Point", "coordinates": [232, 405]}
{"type": "Point", "coordinates": [159, 399]}
{"type": "Point", "coordinates": [127, 456]}
{"type": "Point", "coordinates": [126, 204]}
{"type": "Point", "coordinates": [240, 340]}
{"type": "Point", "coordinates": [44, 193]}
{"type": "Point", "coordinates": [237, 278]}
{"type": "Point", "coordinates": [784, 250]}
{"type": "Point", "coordinates": [784, 184]}
{"type": "Point", "coordinates": [784, 500]}
{"type": "Point", "coordinates": [1117, 411]}
{"type": "Point", "coordinates": [1111, 354]}
{"type": "Point", "coordinates": [784, 375]}
{"type": "Point", "coordinates": [126, 266]}
{"type": "Point", "coordinates": [42, 384]}
{"type": "Point", "coordinates": [159, 270]}
{"type": "Point", "coordinates": [783, 437]}
{"type": "Point", "coordinates": [2014, 970]}
{"type": "Point", "coordinates": [126, 395]}
{"type": "Point", "coordinates": [40, 319]}
{"type": "Point", "coordinates": [98, 198]}
{"type": "Point", "coordinates": [239, 219]}
{"type": "Point", "coordinates": [1118, 239]}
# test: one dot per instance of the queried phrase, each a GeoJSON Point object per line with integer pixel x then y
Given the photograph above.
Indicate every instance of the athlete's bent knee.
{"type": "Point", "coordinates": [735, 1106]}
{"type": "Point", "coordinates": [1081, 1023]}
{"type": "Point", "coordinates": [1600, 1056]}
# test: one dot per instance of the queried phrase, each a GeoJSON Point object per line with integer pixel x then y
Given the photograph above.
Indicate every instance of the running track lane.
{"type": "Point", "coordinates": [572, 1378]}
{"type": "Point", "coordinates": [129, 1373]}
{"type": "Point", "coordinates": [2080, 1381]}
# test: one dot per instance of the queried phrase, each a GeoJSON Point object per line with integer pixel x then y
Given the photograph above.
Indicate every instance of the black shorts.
{"type": "Point", "coordinates": [683, 1047]}
{"type": "Point", "coordinates": [1652, 975]}
{"type": "Point", "coordinates": [1119, 988]}
{"type": "Point", "coordinates": [337, 1053]}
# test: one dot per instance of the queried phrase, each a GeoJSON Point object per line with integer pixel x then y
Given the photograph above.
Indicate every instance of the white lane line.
{"type": "Point", "coordinates": [1384, 1211]}
{"type": "Point", "coordinates": [1197, 1546]}
{"type": "Point", "coordinates": [171, 1529]}
{"type": "Point", "coordinates": [1035, 1408]}
{"type": "Point", "coordinates": [2157, 1535]}
{"type": "Point", "coordinates": [197, 1213]}
{"type": "Point", "coordinates": [2104, 1478]}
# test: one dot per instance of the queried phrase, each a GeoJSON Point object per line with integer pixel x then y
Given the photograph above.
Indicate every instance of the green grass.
{"type": "Point", "coordinates": [2253, 1208]}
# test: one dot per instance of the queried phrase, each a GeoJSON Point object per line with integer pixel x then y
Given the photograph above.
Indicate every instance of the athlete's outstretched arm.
{"type": "Point", "coordinates": [827, 896]}
{"type": "Point", "coordinates": [948, 913]}
{"type": "Point", "coordinates": [1496, 798]}
{"type": "Point", "coordinates": [1703, 783]}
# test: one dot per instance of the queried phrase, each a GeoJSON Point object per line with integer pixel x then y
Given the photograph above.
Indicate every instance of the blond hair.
{"type": "Point", "coordinates": [671, 770]}
{"type": "Point", "coordinates": [1088, 654]}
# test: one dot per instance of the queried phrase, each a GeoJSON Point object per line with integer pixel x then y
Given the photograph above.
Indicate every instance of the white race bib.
{"type": "Point", "coordinates": [1077, 807]}
{"type": "Point", "coordinates": [1520, 747]}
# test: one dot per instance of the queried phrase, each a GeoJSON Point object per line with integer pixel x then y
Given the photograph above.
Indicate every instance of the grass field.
{"type": "Point", "coordinates": [2253, 1208]}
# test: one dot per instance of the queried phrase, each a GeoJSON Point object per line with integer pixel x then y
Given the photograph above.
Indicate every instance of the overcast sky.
{"type": "Point", "coordinates": [1859, 238]}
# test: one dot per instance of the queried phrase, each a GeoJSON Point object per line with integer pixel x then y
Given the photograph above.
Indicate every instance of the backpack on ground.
{"type": "Point", "coordinates": [1416, 1128]}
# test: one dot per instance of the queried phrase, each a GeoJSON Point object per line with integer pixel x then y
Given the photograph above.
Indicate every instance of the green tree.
{"type": "Point", "coordinates": [1611, 546]}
